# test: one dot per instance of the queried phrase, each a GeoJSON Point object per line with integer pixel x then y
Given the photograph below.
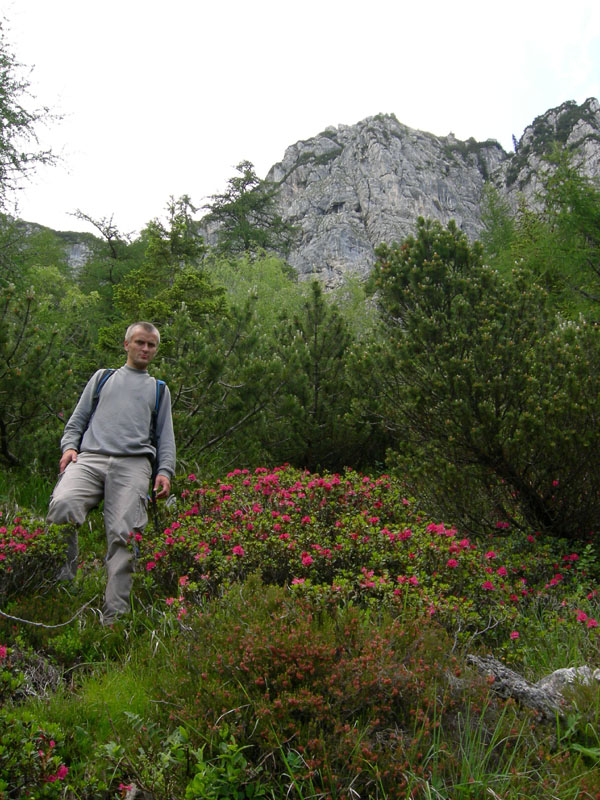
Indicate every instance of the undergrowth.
{"type": "Point", "coordinates": [296, 636]}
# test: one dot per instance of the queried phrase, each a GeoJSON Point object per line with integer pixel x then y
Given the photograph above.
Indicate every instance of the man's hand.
{"type": "Point", "coordinates": [67, 457]}
{"type": "Point", "coordinates": [162, 486]}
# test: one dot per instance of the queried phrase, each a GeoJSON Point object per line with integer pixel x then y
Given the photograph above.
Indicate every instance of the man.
{"type": "Point", "coordinates": [107, 452]}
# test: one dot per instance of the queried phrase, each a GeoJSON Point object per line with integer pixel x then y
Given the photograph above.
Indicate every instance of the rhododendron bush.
{"type": "Point", "coordinates": [31, 553]}
{"type": "Point", "coordinates": [349, 538]}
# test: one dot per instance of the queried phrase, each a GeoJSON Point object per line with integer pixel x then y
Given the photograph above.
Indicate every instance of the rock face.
{"type": "Point", "coordinates": [352, 187]}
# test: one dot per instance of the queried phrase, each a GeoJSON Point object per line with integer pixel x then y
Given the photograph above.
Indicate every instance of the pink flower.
{"type": "Point", "coordinates": [592, 623]}
{"type": "Point", "coordinates": [502, 572]}
{"type": "Point", "coordinates": [3, 651]}
{"type": "Point", "coordinates": [581, 616]}
{"type": "Point", "coordinates": [452, 562]}
{"type": "Point", "coordinates": [150, 565]}
{"type": "Point", "coordinates": [184, 580]}
{"type": "Point", "coordinates": [307, 559]}
{"type": "Point", "coordinates": [61, 772]}
{"type": "Point", "coordinates": [297, 581]}
{"type": "Point", "coordinates": [238, 550]}
{"type": "Point", "coordinates": [191, 477]}
{"type": "Point", "coordinates": [514, 635]}
{"type": "Point", "coordinates": [488, 585]}
{"type": "Point", "coordinates": [490, 554]}
{"type": "Point", "coordinates": [413, 580]}
{"type": "Point", "coordinates": [169, 601]}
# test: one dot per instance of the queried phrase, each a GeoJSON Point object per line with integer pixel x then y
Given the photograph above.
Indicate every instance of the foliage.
{"type": "Point", "coordinates": [107, 263]}
{"type": "Point", "coordinates": [31, 554]}
{"type": "Point", "coordinates": [481, 383]}
{"type": "Point", "coordinates": [310, 427]}
{"type": "Point", "coordinates": [41, 327]}
{"type": "Point", "coordinates": [572, 211]}
{"type": "Point", "coordinates": [245, 217]}
{"type": "Point", "coordinates": [31, 763]}
{"type": "Point", "coordinates": [350, 538]}
{"type": "Point", "coordinates": [558, 244]}
{"type": "Point", "coordinates": [298, 634]}
{"type": "Point", "coordinates": [19, 150]}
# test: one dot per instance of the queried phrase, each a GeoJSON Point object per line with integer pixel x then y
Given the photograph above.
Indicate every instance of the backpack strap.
{"type": "Point", "coordinates": [106, 373]}
{"type": "Point", "coordinates": [160, 390]}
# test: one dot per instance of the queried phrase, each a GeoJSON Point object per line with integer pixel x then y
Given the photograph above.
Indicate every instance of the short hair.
{"type": "Point", "coordinates": [147, 326]}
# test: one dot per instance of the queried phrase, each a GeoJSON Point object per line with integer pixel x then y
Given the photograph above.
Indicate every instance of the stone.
{"type": "Point", "coordinates": [352, 187]}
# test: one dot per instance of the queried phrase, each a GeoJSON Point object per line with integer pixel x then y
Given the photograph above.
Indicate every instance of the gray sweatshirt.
{"type": "Point", "coordinates": [120, 425]}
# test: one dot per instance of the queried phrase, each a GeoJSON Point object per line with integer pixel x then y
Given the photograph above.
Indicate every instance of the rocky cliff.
{"type": "Point", "coordinates": [352, 187]}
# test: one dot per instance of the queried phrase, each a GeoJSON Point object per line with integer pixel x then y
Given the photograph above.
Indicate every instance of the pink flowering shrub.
{"type": "Point", "coordinates": [349, 537]}
{"type": "Point", "coordinates": [30, 756]}
{"type": "Point", "coordinates": [31, 553]}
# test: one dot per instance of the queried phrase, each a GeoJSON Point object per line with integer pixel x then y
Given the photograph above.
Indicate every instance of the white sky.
{"type": "Point", "coordinates": [165, 97]}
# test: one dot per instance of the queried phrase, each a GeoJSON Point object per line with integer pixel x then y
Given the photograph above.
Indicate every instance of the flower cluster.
{"type": "Point", "coordinates": [346, 536]}
{"type": "Point", "coordinates": [29, 553]}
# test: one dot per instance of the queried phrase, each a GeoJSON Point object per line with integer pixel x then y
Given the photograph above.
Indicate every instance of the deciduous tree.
{"type": "Point", "coordinates": [20, 121]}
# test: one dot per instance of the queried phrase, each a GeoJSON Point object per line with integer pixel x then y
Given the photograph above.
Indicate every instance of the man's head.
{"type": "Point", "coordinates": [141, 343]}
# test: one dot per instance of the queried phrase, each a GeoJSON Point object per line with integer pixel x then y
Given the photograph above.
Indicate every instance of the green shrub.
{"type": "Point", "coordinates": [31, 554]}
{"type": "Point", "coordinates": [31, 764]}
{"type": "Point", "coordinates": [492, 400]}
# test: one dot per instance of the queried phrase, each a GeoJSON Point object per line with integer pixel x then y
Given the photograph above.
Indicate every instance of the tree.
{"type": "Point", "coordinates": [245, 218]}
{"type": "Point", "coordinates": [108, 261]}
{"type": "Point", "coordinates": [170, 277]}
{"type": "Point", "coordinates": [309, 425]}
{"type": "Point", "coordinates": [44, 352]}
{"type": "Point", "coordinates": [572, 212]}
{"type": "Point", "coordinates": [19, 144]}
{"type": "Point", "coordinates": [493, 402]}
{"type": "Point", "coordinates": [559, 243]}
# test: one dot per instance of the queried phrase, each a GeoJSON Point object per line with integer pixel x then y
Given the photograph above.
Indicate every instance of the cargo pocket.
{"type": "Point", "coordinates": [140, 522]}
{"type": "Point", "coordinates": [141, 516]}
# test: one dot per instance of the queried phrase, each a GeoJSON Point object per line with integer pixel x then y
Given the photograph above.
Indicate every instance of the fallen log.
{"type": "Point", "coordinates": [546, 696]}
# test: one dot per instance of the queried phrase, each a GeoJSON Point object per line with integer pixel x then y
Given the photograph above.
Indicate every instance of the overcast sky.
{"type": "Point", "coordinates": [165, 97]}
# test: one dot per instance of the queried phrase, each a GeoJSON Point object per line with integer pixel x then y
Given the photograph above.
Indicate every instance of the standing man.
{"type": "Point", "coordinates": [108, 452]}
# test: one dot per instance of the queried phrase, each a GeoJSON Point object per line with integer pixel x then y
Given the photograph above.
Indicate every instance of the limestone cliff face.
{"type": "Point", "coordinates": [574, 127]}
{"type": "Point", "coordinates": [352, 187]}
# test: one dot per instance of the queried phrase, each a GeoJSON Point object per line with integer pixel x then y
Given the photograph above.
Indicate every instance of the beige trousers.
{"type": "Point", "coordinates": [123, 483]}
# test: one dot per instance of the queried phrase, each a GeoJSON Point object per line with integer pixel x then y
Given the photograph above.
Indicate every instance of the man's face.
{"type": "Point", "coordinates": [141, 348]}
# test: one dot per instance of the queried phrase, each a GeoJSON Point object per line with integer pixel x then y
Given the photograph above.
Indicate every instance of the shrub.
{"type": "Point", "coordinates": [348, 539]}
{"type": "Point", "coordinates": [493, 402]}
{"type": "Point", "coordinates": [31, 764]}
{"type": "Point", "coordinates": [31, 554]}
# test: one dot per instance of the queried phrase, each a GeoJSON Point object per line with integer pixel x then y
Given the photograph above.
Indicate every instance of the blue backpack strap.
{"type": "Point", "coordinates": [160, 390]}
{"type": "Point", "coordinates": [106, 373]}
{"type": "Point", "coordinates": [103, 378]}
